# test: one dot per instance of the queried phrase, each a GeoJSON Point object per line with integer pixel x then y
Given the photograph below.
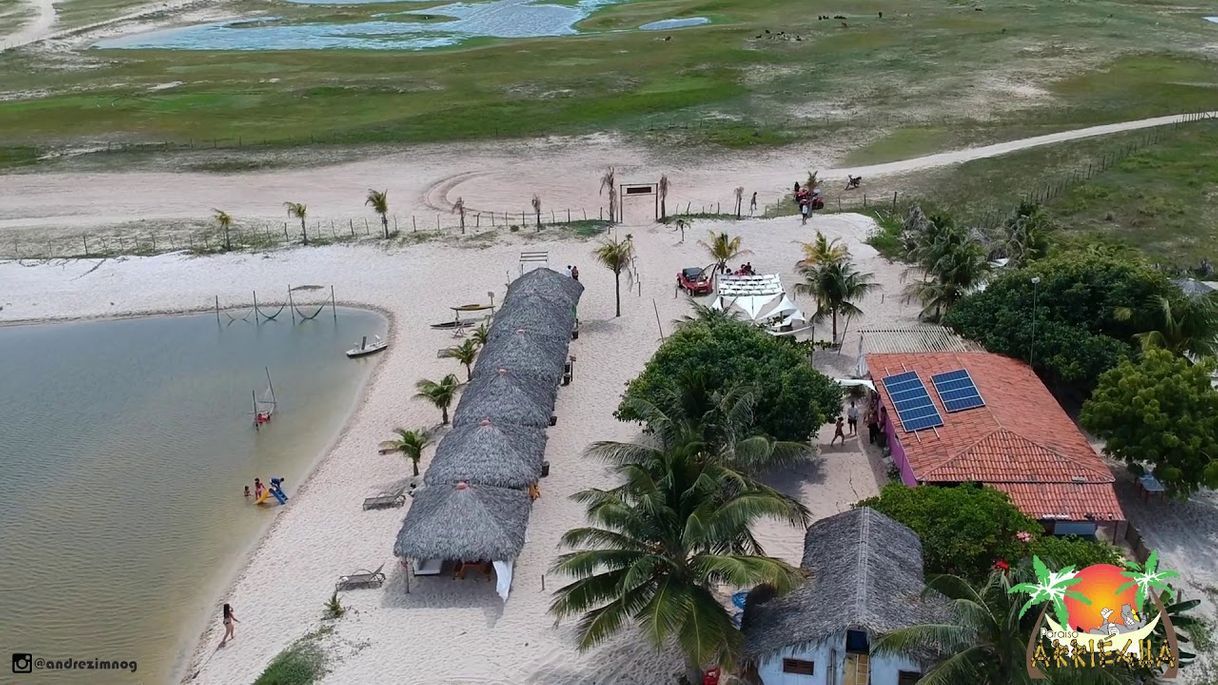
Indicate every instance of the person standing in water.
{"type": "Point", "coordinates": [230, 619]}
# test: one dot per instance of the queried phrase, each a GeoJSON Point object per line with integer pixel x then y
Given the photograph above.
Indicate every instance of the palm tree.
{"type": "Point", "coordinates": [1189, 325]}
{"type": "Point", "coordinates": [411, 443]}
{"type": "Point", "coordinates": [439, 394]}
{"type": "Point", "coordinates": [480, 334]}
{"type": "Point", "coordinates": [465, 353]}
{"type": "Point", "coordinates": [680, 225]}
{"type": "Point", "coordinates": [835, 285]}
{"type": "Point", "coordinates": [536, 202]}
{"type": "Point", "coordinates": [1026, 234]}
{"type": "Point", "coordinates": [379, 200]}
{"type": "Point", "coordinates": [663, 188]}
{"type": "Point", "coordinates": [459, 209]}
{"type": "Point", "coordinates": [298, 210]}
{"type": "Point", "coordinates": [953, 263]}
{"type": "Point", "coordinates": [984, 643]}
{"type": "Point", "coordinates": [616, 255]}
{"type": "Point", "coordinates": [723, 248]}
{"type": "Point", "coordinates": [609, 180]}
{"type": "Point", "coordinates": [739, 192]}
{"type": "Point", "coordinates": [224, 221]}
{"type": "Point", "coordinates": [701, 313]}
{"type": "Point", "coordinates": [822, 251]}
{"type": "Point", "coordinates": [657, 549]}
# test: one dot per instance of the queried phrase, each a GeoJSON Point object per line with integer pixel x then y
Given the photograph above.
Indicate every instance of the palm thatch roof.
{"type": "Point", "coordinates": [536, 314]}
{"type": "Point", "coordinates": [506, 397]}
{"type": "Point", "coordinates": [525, 354]}
{"type": "Point", "coordinates": [865, 573]}
{"type": "Point", "coordinates": [489, 453]}
{"type": "Point", "coordinates": [546, 282]}
{"type": "Point", "coordinates": [465, 522]}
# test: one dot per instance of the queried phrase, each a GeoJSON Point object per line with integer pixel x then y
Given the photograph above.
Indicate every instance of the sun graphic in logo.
{"type": "Point", "coordinates": [1107, 588]}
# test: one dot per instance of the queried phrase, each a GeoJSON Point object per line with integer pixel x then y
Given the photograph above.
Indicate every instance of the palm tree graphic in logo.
{"type": "Point", "coordinates": [1149, 579]}
{"type": "Point", "coordinates": [1051, 587]}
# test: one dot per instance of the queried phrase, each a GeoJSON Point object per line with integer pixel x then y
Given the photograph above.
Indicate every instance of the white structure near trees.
{"type": "Point", "coordinates": [865, 580]}
{"type": "Point", "coordinates": [760, 299]}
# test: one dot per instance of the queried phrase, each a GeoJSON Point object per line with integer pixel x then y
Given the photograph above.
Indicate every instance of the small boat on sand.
{"type": "Point", "coordinates": [366, 348]}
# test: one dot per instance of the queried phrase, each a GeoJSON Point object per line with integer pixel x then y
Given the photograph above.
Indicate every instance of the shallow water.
{"type": "Point", "coordinates": [1212, 19]}
{"type": "Point", "coordinates": [494, 19]}
{"type": "Point", "coordinates": [674, 23]}
{"type": "Point", "coordinates": [126, 445]}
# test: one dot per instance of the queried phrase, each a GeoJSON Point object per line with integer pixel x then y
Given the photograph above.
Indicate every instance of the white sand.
{"type": "Point", "coordinates": [425, 181]}
{"type": "Point", "coordinates": [448, 631]}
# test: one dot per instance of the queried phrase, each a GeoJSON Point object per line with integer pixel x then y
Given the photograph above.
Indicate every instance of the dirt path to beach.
{"type": "Point", "coordinates": [425, 181]}
{"type": "Point", "coordinates": [37, 29]}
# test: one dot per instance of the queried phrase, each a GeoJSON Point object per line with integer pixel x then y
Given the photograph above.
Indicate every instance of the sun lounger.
{"type": "Point", "coordinates": [386, 499]}
{"type": "Point", "coordinates": [361, 578]}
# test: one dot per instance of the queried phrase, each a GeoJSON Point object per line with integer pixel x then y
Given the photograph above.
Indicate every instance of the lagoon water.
{"type": "Point", "coordinates": [665, 24]}
{"type": "Point", "coordinates": [124, 448]}
{"type": "Point", "coordinates": [399, 31]}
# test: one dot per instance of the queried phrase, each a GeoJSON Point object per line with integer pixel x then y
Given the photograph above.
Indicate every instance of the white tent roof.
{"type": "Point", "coordinates": [759, 297]}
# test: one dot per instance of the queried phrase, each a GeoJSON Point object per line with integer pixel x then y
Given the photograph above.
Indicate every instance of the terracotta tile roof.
{"type": "Point", "coordinates": [1021, 440]}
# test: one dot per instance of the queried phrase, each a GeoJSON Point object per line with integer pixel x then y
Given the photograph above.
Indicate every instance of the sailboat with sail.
{"type": "Point", "coordinates": [264, 407]}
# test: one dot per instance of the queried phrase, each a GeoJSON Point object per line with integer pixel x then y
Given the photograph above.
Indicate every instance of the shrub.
{"type": "Point", "coordinates": [964, 529]}
{"type": "Point", "coordinates": [793, 399]}
{"type": "Point", "coordinates": [302, 663]}
{"type": "Point", "coordinates": [1073, 551]}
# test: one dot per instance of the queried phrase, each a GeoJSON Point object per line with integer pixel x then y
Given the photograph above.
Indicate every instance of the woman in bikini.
{"type": "Point", "coordinates": [229, 620]}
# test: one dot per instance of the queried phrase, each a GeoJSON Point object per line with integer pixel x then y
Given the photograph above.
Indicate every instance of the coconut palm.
{"type": "Point", "coordinates": [836, 286]}
{"type": "Point", "coordinates": [298, 210]}
{"type": "Point", "coordinates": [224, 221]}
{"type": "Point", "coordinates": [465, 353]}
{"type": "Point", "coordinates": [459, 210]}
{"type": "Point", "coordinates": [739, 193]}
{"type": "Point", "coordinates": [379, 201]}
{"type": "Point", "coordinates": [411, 444]}
{"type": "Point", "coordinates": [440, 394]}
{"type": "Point", "coordinates": [723, 248]}
{"type": "Point", "coordinates": [616, 255]}
{"type": "Point", "coordinates": [480, 334]}
{"type": "Point", "coordinates": [536, 202]}
{"type": "Point", "coordinates": [663, 191]}
{"type": "Point", "coordinates": [1187, 326]}
{"type": "Point", "coordinates": [655, 551]}
{"type": "Point", "coordinates": [1026, 234]}
{"type": "Point", "coordinates": [705, 313]}
{"type": "Point", "coordinates": [952, 262]}
{"type": "Point", "coordinates": [609, 180]}
{"type": "Point", "coordinates": [822, 251]}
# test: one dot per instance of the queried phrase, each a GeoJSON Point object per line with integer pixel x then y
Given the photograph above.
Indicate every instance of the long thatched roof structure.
{"type": "Point", "coordinates": [523, 353]}
{"type": "Point", "coordinates": [865, 573]}
{"type": "Point", "coordinates": [506, 397]}
{"type": "Point", "coordinates": [474, 506]}
{"type": "Point", "coordinates": [488, 453]}
{"type": "Point", "coordinates": [464, 521]}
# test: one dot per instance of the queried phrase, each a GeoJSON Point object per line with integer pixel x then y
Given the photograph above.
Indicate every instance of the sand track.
{"type": "Point", "coordinates": [428, 179]}
{"type": "Point", "coordinates": [37, 29]}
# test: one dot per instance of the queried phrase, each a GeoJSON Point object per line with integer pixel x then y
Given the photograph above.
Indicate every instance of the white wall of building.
{"type": "Point", "coordinates": [828, 656]}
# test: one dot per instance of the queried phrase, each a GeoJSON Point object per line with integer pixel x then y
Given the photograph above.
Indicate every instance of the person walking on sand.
{"type": "Point", "coordinates": [838, 432]}
{"type": "Point", "coordinates": [575, 272]}
{"type": "Point", "coordinates": [753, 204]}
{"type": "Point", "coordinates": [230, 619]}
{"type": "Point", "coordinates": [852, 418]}
{"type": "Point", "coordinates": [569, 267]}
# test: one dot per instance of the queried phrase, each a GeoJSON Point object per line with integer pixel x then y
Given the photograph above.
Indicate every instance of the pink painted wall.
{"type": "Point", "coordinates": [897, 451]}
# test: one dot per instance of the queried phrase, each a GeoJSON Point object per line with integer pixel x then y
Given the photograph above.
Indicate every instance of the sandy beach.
{"type": "Point", "coordinates": [446, 631]}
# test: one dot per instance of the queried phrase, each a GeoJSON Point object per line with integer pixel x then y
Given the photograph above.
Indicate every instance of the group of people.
{"type": "Point", "coordinates": [808, 198]}
{"type": "Point", "coordinates": [746, 269]}
{"type": "Point", "coordinates": [260, 488]}
{"type": "Point", "coordinates": [851, 421]}
{"type": "Point", "coordinates": [573, 271]}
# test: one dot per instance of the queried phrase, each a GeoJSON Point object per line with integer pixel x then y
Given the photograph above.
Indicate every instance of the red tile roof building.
{"type": "Point", "coordinates": [1020, 442]}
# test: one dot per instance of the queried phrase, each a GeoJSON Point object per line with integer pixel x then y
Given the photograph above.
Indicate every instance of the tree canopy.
{"type": "Point", "coordinates": [1088, 307]}
{"type": "Point", "coordinates": [793, 399]}
{"type": "Point", "coordinates": [1160, 412]}
{"type": "Point", "coordinates": [964, 529]}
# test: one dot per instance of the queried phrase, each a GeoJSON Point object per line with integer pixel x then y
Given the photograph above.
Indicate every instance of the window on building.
{"type": "Point", "coordinates": [856, 642]}
{"type": "Point", "coordinates": [908, 677]}
{"type": "Point", "coordinates": [798, 666]}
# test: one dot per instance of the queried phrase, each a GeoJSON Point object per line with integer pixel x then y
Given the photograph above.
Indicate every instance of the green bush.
{"type": "Point", "coordinates": [1073, 551]}
{"type": "Point", "coordinates": [793, 399]}
{"type": "Point", "coordinates": [303, 663]}
{"type": "Point", "coordinates": [964, 529]}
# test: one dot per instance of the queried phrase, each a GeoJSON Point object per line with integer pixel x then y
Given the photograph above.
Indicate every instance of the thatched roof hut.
{"type": "Point", "coordinates": [865, 573]}
{"type": "Point", "coordinates": [546, 282]}
{"type": "Point", "coordinates": [488, 453]}
{"type": "Point", "coordinates": [524, 354]}
{"type": "Point", "coordinates": [506, 397]}
{"type": "Point", "coordinates": [464, 522]}
{"type": "Point", "coordinates": [541, 316]}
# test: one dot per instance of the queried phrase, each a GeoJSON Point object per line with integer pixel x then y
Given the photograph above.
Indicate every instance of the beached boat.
{"type": "Point", "coordinates": [458, 322]}
{"type": "Point", "coordinates": [366, 348]}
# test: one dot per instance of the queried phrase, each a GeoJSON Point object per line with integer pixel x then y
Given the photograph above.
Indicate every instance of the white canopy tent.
{"type": "Point", "coordinates": [761, 299]}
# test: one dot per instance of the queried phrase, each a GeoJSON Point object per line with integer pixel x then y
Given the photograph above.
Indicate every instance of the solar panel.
{"type": "Point", "coordinates": [957, 391]}
{"type": "Point", "coordinates": [912, 402]}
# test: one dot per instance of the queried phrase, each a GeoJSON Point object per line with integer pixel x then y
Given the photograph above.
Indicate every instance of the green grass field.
{"type": "Point", "coordinates": [927, 75]}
